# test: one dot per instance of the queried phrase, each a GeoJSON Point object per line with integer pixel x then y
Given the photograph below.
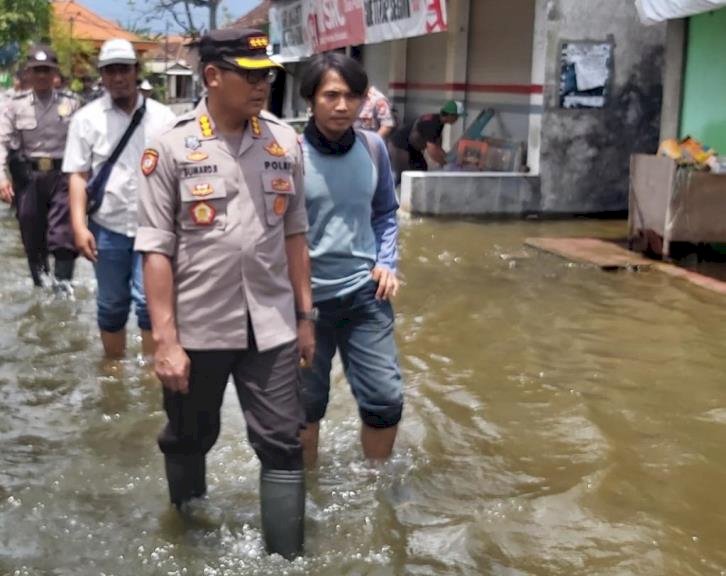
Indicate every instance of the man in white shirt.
{"type": "Point", "coordinates": [107, 237]}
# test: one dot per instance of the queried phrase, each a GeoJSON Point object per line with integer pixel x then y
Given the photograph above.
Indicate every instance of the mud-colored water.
{"type": "Point", "coordinates": [560, 420]}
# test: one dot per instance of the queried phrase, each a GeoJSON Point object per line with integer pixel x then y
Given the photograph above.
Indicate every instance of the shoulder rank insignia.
{"type": "Point", "coordinates": [274, 149]}
{"type": "Point", "coordinates": [202, 213]}
{"type": "Point", "coordinates": [149, 161]}
{"type": "Point", "coordinates": [205, 125]}
{"type": "Point", "coordinates": [255, 126]}
{"type": "Point", "coordinates": [281, 185]}
{"type": "Point", "coordinates": [202, 190]}
{"type": "Point", "coordinates": [192, 142]}
{"type": "Point", "coordinates": [197, 156]}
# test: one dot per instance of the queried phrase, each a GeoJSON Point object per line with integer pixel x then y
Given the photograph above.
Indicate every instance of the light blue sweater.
{"type": "Point", "coordinates": [352, 213]}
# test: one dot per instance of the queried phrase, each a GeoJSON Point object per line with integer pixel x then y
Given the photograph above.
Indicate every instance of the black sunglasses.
{"type": "Point", "coordinates": [253, 77]}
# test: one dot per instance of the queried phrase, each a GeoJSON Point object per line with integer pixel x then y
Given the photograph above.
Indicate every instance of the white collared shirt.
{"type": "Point", "coordinates": [95, 129]}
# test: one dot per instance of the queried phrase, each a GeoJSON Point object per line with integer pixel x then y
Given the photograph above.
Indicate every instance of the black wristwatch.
{"type": "Point", "coordinates": [311, 314]}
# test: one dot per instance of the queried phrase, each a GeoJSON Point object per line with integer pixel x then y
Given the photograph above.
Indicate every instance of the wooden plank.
{"type": "Point", "coordinates": [610, 256]}
{"type": "Point", "coordinates": [606, 255]}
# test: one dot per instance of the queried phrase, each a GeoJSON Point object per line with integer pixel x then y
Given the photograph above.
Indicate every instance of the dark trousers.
{"type": "Point", "coordinates": [43, 212]}
{"type": "Point", "coordinates": [268, 388]}
{"type": "Point", "coordinates": [405, 159]}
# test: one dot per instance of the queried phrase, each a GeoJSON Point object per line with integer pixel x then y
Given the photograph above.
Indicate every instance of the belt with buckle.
{"type": "Point", "coordinates": [46, 164]}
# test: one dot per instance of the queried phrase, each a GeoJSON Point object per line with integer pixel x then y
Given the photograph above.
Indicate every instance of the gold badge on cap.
{"type": "Point", "coordinates": [197, 156]}
{"type": "Point", "coordinates": [274, 149]}
{"type": "Point", "coordinates": [205, 125]}
{"type": "Point", "coordinates": [257, 42]}
{"type": "Point", "coordinates": [256, 128]}
{"type": "Point", "coordinates": [202, 213]}
{"type": "Point", "coordinates": [281, 185]}
{"type": "Point", "coordinates": [149, 161]}
{"type": "Point", "coordinates": [279, 205]}
{"type": "Point", "coordinates": [202, 190]}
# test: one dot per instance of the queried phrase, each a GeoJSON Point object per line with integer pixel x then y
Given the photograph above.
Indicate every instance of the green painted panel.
{"type": "Point", "coordinates": [704, 93]}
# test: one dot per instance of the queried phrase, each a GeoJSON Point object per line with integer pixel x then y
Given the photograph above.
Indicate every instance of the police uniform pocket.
{"type": "Point", "coordinates": [279, 190]}
{"type": "Point", "coordinates": [26, 122]}
{"type": "Point", "coordinates": [203, 204]}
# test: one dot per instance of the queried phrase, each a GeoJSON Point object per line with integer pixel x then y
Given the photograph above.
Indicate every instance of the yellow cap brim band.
{"type": "Point", "coordinates": [255, 64]}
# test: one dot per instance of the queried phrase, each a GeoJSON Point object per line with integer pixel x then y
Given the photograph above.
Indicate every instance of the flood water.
{"type": "Point", "coordinates": [560, 420]}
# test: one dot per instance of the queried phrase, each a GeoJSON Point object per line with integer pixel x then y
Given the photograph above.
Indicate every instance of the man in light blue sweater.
{"type": "Point", "coordinates": [352, 238]}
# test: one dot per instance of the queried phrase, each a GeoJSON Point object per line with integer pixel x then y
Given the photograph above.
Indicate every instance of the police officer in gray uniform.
{"type": "Point", "coordinates": [35, 124]}
{"type": "Point", "coordinates": [222, 226]}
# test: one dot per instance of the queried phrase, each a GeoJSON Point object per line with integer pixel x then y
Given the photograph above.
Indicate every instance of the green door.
{"type": "Point", "coordinates": [704, 90]}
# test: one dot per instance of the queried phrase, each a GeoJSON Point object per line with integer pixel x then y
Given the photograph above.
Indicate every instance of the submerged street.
{"type": "Point", "coordinates": [559, 420]}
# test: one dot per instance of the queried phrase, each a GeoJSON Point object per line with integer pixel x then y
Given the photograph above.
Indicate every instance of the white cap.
{"type": "Point", "coordinates": [116, 51]}
{"type": "Point", "coordinates": [145, 85]}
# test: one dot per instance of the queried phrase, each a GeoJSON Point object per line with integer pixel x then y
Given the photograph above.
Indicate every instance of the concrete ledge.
{"type": "Point", "coordinates": [470, 193]}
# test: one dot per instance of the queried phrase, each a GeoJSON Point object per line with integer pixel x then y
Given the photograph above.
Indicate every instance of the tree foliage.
{"type": "Point", "coordinates": [74, 55]}
{"type": "Point", "coordinates": [24, 20]}
{"type": "Point", "coordinates": [181, 13]}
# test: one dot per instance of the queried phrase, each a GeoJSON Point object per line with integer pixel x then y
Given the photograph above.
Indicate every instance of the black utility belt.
{"type": "Point", "coordinates": [45, 164]}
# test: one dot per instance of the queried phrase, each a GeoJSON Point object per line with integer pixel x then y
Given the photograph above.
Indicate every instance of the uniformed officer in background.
{"type": "Point", "coordinates": [222, 225]}
{"type": "Point", "coordinates": [35, 124]}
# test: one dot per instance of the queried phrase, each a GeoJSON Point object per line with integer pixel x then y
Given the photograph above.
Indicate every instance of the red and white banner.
{"type": "Point", "coordinates": [301, 27]}
{"type": "Point", "coordinates": [393, 19]}
{"type": "Point", "coordinates": [339, 24]}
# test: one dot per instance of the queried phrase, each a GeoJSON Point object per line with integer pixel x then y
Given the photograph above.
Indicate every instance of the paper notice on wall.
{"type": "Point", "coordinates": [585, 70]}
{"type": "Point", "coordinates": [655, 11]}
{"type": "Point", "coordinates": [393, 19]}
{"type": "Point", "coordinates": [592, 64]}
{"type": "Point", "coordinates": [292, 27]}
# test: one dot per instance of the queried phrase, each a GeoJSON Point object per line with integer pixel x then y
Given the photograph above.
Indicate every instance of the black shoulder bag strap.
{"type": "Point", "coordinates": [135, 121]}
{"type": "Point", "coordinates": [96, 186]}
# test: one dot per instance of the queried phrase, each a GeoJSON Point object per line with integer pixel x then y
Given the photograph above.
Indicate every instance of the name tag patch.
{"type": "Point", "coordinates": [277, 165]}
{"type": "Point", "coordinates": [191, 171]}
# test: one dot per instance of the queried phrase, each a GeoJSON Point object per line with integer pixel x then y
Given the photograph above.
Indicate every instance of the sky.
{"type": "Point", "coordinates": [119, 11]}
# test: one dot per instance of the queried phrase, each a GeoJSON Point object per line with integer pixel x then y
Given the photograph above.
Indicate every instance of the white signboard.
{"type": "Point", "coordinates": [655, 11]}
{"type": "Point", "coordinates": [291, 25]}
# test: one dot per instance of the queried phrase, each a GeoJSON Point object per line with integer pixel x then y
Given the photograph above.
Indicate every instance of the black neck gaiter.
{"type": "Point", "coordinates": [328, 147]}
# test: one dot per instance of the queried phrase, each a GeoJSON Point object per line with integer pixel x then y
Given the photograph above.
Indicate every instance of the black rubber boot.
{"type": "Point", "coordinates": [282, 503]}
{"type": "Point", "coordinates": [186, 476]}
{"type": "Point", "coordinates": [64, 269]}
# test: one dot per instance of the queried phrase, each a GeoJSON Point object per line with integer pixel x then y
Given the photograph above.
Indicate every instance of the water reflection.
{"type": "Point", "coordinates": [559, 420]}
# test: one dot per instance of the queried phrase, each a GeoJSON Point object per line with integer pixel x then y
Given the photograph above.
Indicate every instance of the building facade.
{"type": "Point", "coordinates": [578, 82]}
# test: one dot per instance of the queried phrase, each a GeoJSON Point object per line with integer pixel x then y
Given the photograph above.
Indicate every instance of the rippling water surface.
{"type": "Point", "coordinates": [559, 420]}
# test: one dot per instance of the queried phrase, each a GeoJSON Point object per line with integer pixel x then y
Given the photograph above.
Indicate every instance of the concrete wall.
{"type": "Point", "coordinates": [483, 194]}
{"type": "Point", "coordinates": [585, 153]}
{"type": "Point", "coordinates": [484, 60]}
{"type": "Point", "coordinates": [500, 63]}
{"type": "Point", "coordinates": [377, 62]}
{"type": "Point", "coordinates": [670, 116]}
